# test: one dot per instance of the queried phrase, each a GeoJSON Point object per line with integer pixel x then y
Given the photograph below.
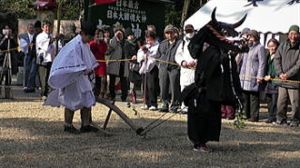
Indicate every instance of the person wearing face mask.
{"type": "Point", "coordinates": [98, 48]}
{"type": "Point", "coordinates": [8, 43]}
{"type": "Point", "coordinates": [251, 75]}
{"type": "Point", "coordinates": [271, 90]}
{"type": "Point", "coordinates": [287, 66]}
{"type": "Point", "coordinates": [187, 63]}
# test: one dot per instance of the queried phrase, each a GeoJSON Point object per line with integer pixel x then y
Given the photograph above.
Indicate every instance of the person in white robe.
{"type": "Point", "coordinates": [70, 79]}
{"type": "Point", "coordinates": [188, 64]}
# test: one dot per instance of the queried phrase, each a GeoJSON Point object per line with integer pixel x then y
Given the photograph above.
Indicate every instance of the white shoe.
{"type": "Point", "coordinates": [153, 108]}
{"type": "Point", "coordinates": [145, 107]}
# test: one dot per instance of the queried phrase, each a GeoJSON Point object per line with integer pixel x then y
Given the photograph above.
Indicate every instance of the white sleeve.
{"type": "Point", "coordinates": [42, 43]}
{"type": "Point", "coordinates": [23, 45]}
{"type": "Point", "coordinates": [140, 55]}
{"type": "Point", "coordinates": [179, 57]}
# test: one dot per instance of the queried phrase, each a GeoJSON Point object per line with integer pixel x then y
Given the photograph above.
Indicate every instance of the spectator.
{"type": "Point", "coordinates": [146, 56]}
{"type": "Point", "coordinates": [130, 49]}
{"type": "Point", "coordinates": [117, 68]}
{"type": "Point", "coordinates": [30, 67]}
{"type": "Point", "coordinates": [188, 64]}
{"type": "Point", "coordinates": [45, 50]}
{"type": "Point", "coordinates": [271, 90]}
{"type": "Point", "coordinates": [169, 74]}
{"type": "Point", "coordinates": [99, 47]}
{"type": "Point", "coordinates": [251, 75]}
{"type": "Point", "coordinates": [9, 45]}
{"type": "Point", "coordinates": [287, 66]}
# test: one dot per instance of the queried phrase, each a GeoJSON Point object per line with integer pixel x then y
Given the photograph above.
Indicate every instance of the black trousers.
{"type": "Point", "coordinates": [97, 87]}
{"type": "Point", "coordinates": [204, 121]}
{"type": "Point", "coordinates": [124, 87]}
{"type": "Point", "coordinates": [272, 105]}
{"type": "Point", "coordinates": [44, 72]}
{"type": "Point", "coordinates": [152, 84]}
{"type": "Point", "coordinates": [170, 83]}
{"type": "Point", "coordinates": [251, 104]}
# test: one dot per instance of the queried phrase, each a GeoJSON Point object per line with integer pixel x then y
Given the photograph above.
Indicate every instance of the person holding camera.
{"type": "Point", "coordinates": [117, 68]}
{"type": "Point", "coordinates": [252, 74]}
{"type": "Point", "coordinates": [45, 51]}
{"type": "Point", "coordinates": [146, 56]}
{"type": "Point", "coordinates": [9, 47]}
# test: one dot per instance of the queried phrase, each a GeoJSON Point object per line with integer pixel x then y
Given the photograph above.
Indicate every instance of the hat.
{"type": "Point", "coordinates": [254, 33]}
{"type": "Point", "coordinates": [294, 28]}
{"type": "Point", "coordinates": [245, 31]}
{"type": "Point", "coordinates": [169, 28]}
{"type": "Point", "coordinates": [128, 32]}
{"type": "Point", "coordinates": [189, 27]}
{"type": "Point", "coordinates": [37, 24]}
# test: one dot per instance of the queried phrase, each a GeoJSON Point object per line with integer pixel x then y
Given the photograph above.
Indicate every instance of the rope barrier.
{"type": "Point", "coordinates": [11, 49]}
{"type": "Point", "coordinates": [167, 62]}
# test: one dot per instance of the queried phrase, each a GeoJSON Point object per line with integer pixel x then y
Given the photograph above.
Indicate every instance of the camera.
{"type": "Point", "coordinates": [145, 49]}
{"type": "Point", "coordinates": [242, 44]}
{"type": "Point", "coordinates": [6, 32]}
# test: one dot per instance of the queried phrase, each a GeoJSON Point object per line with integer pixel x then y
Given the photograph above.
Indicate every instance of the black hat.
{"type": "Point", "coordinates": [189, 27]}
{"type": "Point", "coordinates": [255, 34]}
{"type": "Point", "coordinates": [37, 24]}
{"type": "Point", "coordinates": [128, 32]}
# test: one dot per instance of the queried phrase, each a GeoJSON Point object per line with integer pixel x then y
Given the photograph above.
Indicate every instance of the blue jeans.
{"type": "Point", "coordinates": [30, 71]}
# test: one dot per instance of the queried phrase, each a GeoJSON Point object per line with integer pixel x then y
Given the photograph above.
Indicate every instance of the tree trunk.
{"type": "Point", "coordinates": [185, 10]}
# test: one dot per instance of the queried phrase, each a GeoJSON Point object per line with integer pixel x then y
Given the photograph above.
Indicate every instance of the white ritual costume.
{"type": "Point", "coordinates": [72, 87]}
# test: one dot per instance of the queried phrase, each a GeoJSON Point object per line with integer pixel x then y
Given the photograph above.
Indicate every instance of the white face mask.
{"type": "Point", "coordinates": [189, 35]}
{"type": "Point", "coordinates": [5, 32]}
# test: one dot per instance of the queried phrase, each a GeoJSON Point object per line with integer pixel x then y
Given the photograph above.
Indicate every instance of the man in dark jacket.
{"type": "Point", "coordinates": [169, 74]}
{"type": "Point", "coordinates": [287, 65]}
{"type": "Point", "coordinates": [130, 51]}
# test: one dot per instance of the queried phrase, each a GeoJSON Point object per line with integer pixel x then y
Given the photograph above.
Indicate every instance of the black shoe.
{"type": "Point", "coordinates": [88, 128]}
{"type": "Point", "coordinates": [282, 122]}
{"type": "Point", "coordinates": [294, 124]}
{"type": "Point", "coordinates": [164, 110]}
{"type": "Point", "coordinates": [71, 129]}
{"type": "Point", "coordinates": [173, 109]}
{"type": "Point", "coordinates": [269, 121]}
{"type": "Point", "coordinates": [29, 90]}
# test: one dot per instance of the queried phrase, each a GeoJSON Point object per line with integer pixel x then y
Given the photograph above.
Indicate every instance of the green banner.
{"type": "Point", "coordinates": [136, 14]}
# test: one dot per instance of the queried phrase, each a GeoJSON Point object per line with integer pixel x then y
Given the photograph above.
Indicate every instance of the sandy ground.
{"type": "Point", "coordinates": [31, 135]}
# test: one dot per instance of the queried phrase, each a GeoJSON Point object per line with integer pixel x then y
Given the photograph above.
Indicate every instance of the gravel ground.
{"type": "Point", "coordinates": [31, 135]}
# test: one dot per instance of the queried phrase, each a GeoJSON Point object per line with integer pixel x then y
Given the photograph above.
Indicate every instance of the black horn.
{"type": "Point", "coordinates": [237, 24]}
{"type": "Point", "coordinates": [213, 16]}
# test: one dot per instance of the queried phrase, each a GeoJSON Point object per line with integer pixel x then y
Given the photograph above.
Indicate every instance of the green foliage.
{"type": "Point", "coordinates": [172, 16]}
{"type": "Point", "coordinates": [18, 8]}
{"type": "Point", "coordinates": [21, 8]}
{"type": "Point", "coordinates": [71, 9]}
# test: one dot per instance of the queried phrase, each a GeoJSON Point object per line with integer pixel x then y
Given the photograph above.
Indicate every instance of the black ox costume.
{"type": "Point", "coordinates": [213, 85]}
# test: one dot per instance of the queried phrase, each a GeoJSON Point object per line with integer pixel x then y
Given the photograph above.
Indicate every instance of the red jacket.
{"type": "Point", "coordinates": [99, 53]}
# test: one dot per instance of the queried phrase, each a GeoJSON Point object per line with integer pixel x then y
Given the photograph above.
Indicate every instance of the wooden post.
{"type": "Point", "coordinates": [185, 10]}
{"type": "Point", "coordinates": [58, 24]}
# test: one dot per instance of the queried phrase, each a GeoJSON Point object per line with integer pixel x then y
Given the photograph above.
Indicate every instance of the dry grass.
{"type": "Point", "coordinates": [32, 136]}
